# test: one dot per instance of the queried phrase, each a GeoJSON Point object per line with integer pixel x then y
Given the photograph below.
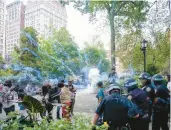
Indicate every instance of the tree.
{"type": "Point", "coordinates": [157, 54]}
{"type": "Point", "coordinates": [27, 52]}
{"type": "Point", "coordinates": [1, 60]}
{"type": "Point", "coordinates": [95, 55]}
{"type": "Point", "coordinates": [133, 12]}
{"type": "Point", "coordinates": [60, 55]}
{"type": "Point", "coordinates": [162, 51]}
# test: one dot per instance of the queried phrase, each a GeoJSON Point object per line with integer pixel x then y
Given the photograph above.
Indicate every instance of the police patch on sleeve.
{"type": "Point", "coordinates": [148, 89]}
{"type": "Point", "coordinates": [130, 97]}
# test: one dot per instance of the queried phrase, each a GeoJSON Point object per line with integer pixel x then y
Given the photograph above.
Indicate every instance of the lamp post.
{"type": "Point", "coordinates": [143, 48]}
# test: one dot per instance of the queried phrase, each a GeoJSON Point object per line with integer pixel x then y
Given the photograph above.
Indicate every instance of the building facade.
{"type": "Point", "coordinates": [2, 28]}
{"type": "Point", "coordinates": [14, 25]}
{"type": "Point", "coordinates": [44, 16]}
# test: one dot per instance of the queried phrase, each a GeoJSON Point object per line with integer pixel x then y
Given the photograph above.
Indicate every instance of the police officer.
{"type": "Point", "coordinates": [145, 79]}
{"type": "Point", "coordinates": [116, 109]}
{"type": "Point", "coordinates": [140, 98]}
{"type": "Point", "coordinates": [161, 104]}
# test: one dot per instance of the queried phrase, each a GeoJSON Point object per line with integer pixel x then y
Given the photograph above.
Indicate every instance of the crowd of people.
{"type": "Point", "coordinates": [138, 108]}
{"type": "Point", "coordinates": [141, 105]}
{"type": "Point", "coordinates": [62, 93]}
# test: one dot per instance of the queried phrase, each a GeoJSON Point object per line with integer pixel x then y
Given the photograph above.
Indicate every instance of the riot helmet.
{"type": "Point", "coordinates": [145, 78]}
{"type": "Point", "coordinates": [158, 79]}
{"type": "Point", "coordinates": [113, 88]}
{"type": "Point", "coordinates": [145, 75]}
{"type": "Point", "coordinates": [130, 84]}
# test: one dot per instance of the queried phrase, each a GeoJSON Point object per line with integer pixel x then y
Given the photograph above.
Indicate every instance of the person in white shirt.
{"type": "Point", "coordinates": [169, 83]}
{"type": "Point", "coordinates": [8, 95]}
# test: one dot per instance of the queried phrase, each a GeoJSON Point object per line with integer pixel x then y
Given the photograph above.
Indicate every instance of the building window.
{"type": "Point", "coordinates": [12, 15]}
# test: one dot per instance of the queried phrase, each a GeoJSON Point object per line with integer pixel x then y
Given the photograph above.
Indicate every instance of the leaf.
{"type": "Point", "coordinates": [33, 105]}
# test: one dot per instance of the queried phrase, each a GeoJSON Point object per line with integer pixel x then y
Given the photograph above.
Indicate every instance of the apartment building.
{"type": "Point", "coordinates": [14, 25]}
{"type": "Point", "coordinates": [45, 16]}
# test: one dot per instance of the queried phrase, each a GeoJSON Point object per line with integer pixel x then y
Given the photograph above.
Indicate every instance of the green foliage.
{"type": "Point", "coordinates": [1, 60]}
{"type": "Point", "coordinates": [6, 72]}
{"type": "Point", "coordinates": [157, 56]}
{"type": "Point", "coordinates": [95, 55]}
{"type": "Point", "coordinates": [128, 47]}
{"type": "Point", "coordinates": [79, 122]}
{"type": "Point", "coordinates": [25, 54]}
{"type": "Point", "coordinates": [59, 54]}
{"type": "Point", "coordinates": [12, 124]}
{"type": "Point", "coordinates": [34, 106]}
{"type": "Point", "coordinates": [132, 12]}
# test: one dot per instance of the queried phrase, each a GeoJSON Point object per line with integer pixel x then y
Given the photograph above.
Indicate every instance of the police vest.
{"type": "Point", "coordinates": [116, 114]}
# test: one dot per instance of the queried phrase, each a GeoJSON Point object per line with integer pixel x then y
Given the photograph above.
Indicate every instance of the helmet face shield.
{"type": "Point", "coordinates": [143, 81]}
{"type": "Point", "coordinates": [159, 82]}
{"type": "Point", "coordinates": [114, 89]}
{"type": "Point", "coordinates": [158, 77]}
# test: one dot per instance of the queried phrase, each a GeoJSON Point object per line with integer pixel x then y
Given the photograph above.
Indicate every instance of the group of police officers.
{"type": "Point", "coordinates": [139, 107]}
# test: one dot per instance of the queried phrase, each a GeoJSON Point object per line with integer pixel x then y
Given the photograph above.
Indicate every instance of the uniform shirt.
{"type": "Point", "coordinates": [140, 98]}
{"type": "Point", "coordinates": [162, 92]}
{"type": "Point", "coordinates": [116, 109]}
{"type": "Point", "coordinates": [150, 91]}
{"type": "Point", "coordinates": [162, 100]}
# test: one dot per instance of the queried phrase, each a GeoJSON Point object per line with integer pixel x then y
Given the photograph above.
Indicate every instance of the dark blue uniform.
{"type": "Point", "coordinates": [116, 110]}
{"type": "Point", "coordinates": [149, 89]}
{"type": "Point", "coordinates": [140, 98]}
{"type": "Point", "coordinates": [161, 108]}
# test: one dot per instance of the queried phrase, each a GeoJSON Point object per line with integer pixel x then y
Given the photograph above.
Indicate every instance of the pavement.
{"type": "Point", "coordinates": [85, 103]}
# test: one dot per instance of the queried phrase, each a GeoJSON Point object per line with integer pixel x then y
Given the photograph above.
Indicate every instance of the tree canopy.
{"type": "Point", "coordinates": [134, 13]}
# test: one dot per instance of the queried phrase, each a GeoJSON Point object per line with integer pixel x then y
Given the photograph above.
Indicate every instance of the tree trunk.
{"type": "Point", "coordinates": [112, 40]}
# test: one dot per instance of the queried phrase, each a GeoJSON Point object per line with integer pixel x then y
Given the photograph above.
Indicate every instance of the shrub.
{"type": "Point", "coordinates": [78, 122]}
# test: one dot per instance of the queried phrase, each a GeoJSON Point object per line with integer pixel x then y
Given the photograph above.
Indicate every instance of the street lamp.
{"type": "Point", "coordinates": [143, 48]}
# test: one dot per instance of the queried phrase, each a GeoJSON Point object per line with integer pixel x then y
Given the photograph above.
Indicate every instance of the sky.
{"type": "Point", "coordinates": [81, 29]}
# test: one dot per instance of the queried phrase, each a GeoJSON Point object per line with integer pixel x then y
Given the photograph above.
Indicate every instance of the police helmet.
{"type": "Point", "coordinates": [113, 87]}
{"type": "Point", "coordinates": [145, 76]}
{"type": "Point", "coordinates": [158, 77]}
{"type": "Point", "coordinates": [131, 84]}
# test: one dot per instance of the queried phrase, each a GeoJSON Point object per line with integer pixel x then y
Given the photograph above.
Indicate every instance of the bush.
{"type": "Point", "coordinates": [78, 122]}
